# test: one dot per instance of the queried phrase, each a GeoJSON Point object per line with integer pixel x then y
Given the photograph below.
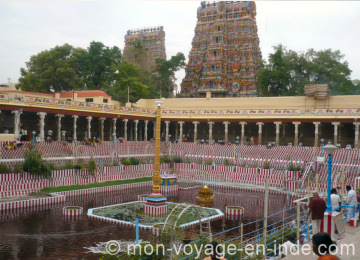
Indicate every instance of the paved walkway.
{"type": "Point", "coordinates": [350, 237]}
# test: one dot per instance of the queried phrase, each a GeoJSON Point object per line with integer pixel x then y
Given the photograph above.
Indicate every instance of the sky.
{"type": "Point", "coordinates": [29, 27]}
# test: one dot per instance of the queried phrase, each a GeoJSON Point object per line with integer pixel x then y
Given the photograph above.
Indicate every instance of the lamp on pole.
{"type": "Point", "coordinates": [33, 133]}
{"type": "Point", "coordinates": [237, 144]}
{"type": "Point", "coordinates": [322, 146]}
{"type": "Point", "coordinates": [329, 149]}
{"type": "Point", "coordinates": [169, 145]}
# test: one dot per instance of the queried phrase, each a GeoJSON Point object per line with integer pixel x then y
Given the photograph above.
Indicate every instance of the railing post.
{"type": "Point", "coordinates": [298, 222]}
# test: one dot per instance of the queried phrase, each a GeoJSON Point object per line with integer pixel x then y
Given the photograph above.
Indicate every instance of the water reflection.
{"type": "Point", "coordinates": [45, 234]}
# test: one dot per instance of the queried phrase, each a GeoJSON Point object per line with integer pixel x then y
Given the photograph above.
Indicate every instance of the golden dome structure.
{"type": "Point", "coordinates": [205, 197]}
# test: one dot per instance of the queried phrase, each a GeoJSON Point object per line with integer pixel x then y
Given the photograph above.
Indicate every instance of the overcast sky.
{"type": "Point", "coordinates": [29, 27]}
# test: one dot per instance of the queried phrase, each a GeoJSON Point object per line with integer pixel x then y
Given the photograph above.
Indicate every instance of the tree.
{"type": "Point", "coordinates": [165, 73]}
{"type": "Point", "coordinates": [288, 71]}
{"type": "Point", "coordinates": [65, 68]}
{"type": "Point", "coordinates": [98, 65]}
{"type": "Point", "coordinates": [51, 70]}
{"type": "Point", "coordinates": [128, 76]}
{"type": "Point", "coordinates": [138, 55]}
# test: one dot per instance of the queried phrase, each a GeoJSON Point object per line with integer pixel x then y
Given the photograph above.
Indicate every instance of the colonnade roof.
{"type": "Point", "coordinates": [339, 108]}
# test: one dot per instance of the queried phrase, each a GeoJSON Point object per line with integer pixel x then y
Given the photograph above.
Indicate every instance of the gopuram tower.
{"type": "Point", "coordinates": [224, 51]}
{"type": "Point", "coordinates": [144, 46]}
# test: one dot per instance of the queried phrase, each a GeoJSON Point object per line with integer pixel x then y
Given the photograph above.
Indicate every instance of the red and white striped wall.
{"type": "Point", "coordinates": [231, 210]}
{"type": "Point", "coordinates": [156, 210]}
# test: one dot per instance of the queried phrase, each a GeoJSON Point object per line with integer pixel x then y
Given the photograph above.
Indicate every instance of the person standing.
{"type": "Point", "coordinates": [317, 209]}
{"type": "Point", "coordinates": [351, 201]}
{"type": "Point", "coordinates": [335, 199]}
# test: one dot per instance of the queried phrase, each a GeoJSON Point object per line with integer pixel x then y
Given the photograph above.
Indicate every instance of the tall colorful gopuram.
{"type": "Point", "coordinates": [224, 51]}
{"type": "Point", "coordinates": [152, 46]}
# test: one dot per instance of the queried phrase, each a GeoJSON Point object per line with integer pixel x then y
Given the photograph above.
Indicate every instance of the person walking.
{"type": "Point", "coordinates": [317, 209]}
{"type": "Point", "coordinates": [335, 199]}
{"type": "Point", "coordinates": [351, 201]}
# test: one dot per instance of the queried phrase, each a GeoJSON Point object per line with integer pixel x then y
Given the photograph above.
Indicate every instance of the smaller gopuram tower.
{"type": "Point", "coordinates": [224, 51]}
{"type": "Point", "coordinates": [144, 46]}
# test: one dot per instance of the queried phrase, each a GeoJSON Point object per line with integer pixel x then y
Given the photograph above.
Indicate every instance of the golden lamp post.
{"type": "Point", "coordinates": [155, 202]}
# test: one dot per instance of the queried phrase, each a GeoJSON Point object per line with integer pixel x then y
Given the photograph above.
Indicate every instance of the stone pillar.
{"type": "Point", "coordinates": [59, 116]}
{"type": "Point", "coordinates": [296, 138]}
{"type": "Point", "coordinates": [74, 127]}
{"type": "Point", "coordinates": [260, 124]}
{"type": "Point", "coordinates": [125, 128]}
{"type": "Point", "coordinates": [42, 125]}
{"type": "Point", "coordinates": [17, 114]}
{"type": "Point", "coordinates": [277, 138]}
{"type": "Point", "coordinates": [210, 130]}
{"type": "Point", "coordinates": [136, 129]}
{"type": "Point", "coordinates": [195, 130]}
{"type": "Point", "coordinates": [114, 127]}
{"type": "Point", "coordinates": [181, 123]}
{"type": "Point", "coordinates": [242, 132]}
{"type": "Point", "coordinates": [356, 141]}
{"type": "Point", "coordinates": [226, 124]}
{"type": "Point", "coordinates": [167, 131]}
{"type": "Point", "coordinates": [63, 133]}
{"type": "Point", "coordinates": [145, 130]}
{"type": "Point", "coordinates": [102, 119]}
{"type": "Point", "coordinates": [316, 137]}
{"type": "Point", "coordinates": [89, 126]}
{"type": "Point", "coordinates": [335, 124]}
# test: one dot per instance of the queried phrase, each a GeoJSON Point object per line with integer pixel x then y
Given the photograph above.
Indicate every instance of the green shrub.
{"type": "Point", "coordinates": [228, 163]}
{"type": "Point", "coordinates": [208, 162]}
{"type": "Point", "coordinates": [4, 168]}
{"type": "Point", "coordinates": [18, 168]}
{"type": "Point", "coordinates": [266, 165]}
{"type": "Point", "coordinates": [177, 159]}
{"type": "Point", "coordinates": [134, 161]}
{"type": "Point", "coordinates": [92, 166]}
{"type": "Point", "coordinates": [34, 164]}
{"type": "Point", "coordinates": [78, 166]}
{"type": "Point", "coordinates": [165, 159]}
{"type": "Point", "coordinates": [125, 161]}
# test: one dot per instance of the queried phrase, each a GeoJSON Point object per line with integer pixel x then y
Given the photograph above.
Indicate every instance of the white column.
{"type": "Point", "coordinates": [42, 125]}
{"type": "Point", "coordinates": [114, 127]}
{"type": "Point", "coordinates": [74, 127]}
{"type": "Point", "coordinates": [145, 130]}
{"type": "Point", "coordinates": [181, 123]}
{"type": "Point", "coordinates": [296, 138]}
{"type": "Point", "coordinates": [210, 130]}
{"type": "Point", "coordinates": [356, 141]}
{"type": "Point", "coordinates": [125, 128]}
{"type": "Point", "coordinates": [316, 137]}
{"type": "Point", "coordinates": [335, 124]}
{"type": "Point", "coordinates": [226, 124]}
{"type": "Point", "coordinates": [167, 131]}
{"type": "Point", "coordinates": [102, 120]}
{"type": "Point", "coordinates": [63, 133]}
{"type": "Point", "coordinates": [260, 124]}
{"type": "Point", "coordinates": [136, 129]}
{"type": "Point", "coordinates": [89, 126]}
{"type": "Point", "coordinates": [195, 130]}
{"type": "Point", "coordinates": [17, 114]}
{"type": "Point", "coordinates": [277, 138]}
{"type": "Point", "coordinates": [242, 131]}
{"type": "Point", "coordinates": [59, 116]}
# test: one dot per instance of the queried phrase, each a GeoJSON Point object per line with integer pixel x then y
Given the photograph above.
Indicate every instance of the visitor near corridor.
{"type": "Point", "coordinates": [317, 209]}
{"type": "Point", "coordinates": [335, 199]}
{"type": "Point", "coordinates": [351, 201]}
